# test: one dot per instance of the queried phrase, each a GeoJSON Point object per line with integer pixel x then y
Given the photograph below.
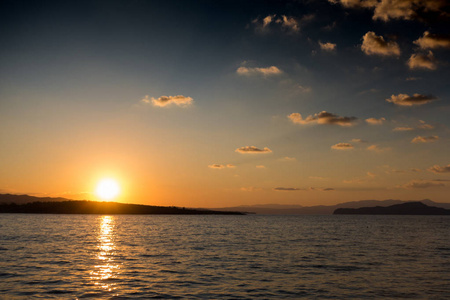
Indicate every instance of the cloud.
{"type": "Point", "coordinates": [289, 24]}
{"type": "Point", "coordinates": [413, 78]}
{"type": "Point", "coordinates": [433, 41]}
{"type": "Point", "coordinates": [342, 146]}
{"type": "Point", "coordinates": [376, 148]}
{"type": "Point", "coordinates": [424, 125]}
{"type": "Point", "coordinates": [374, 121]}
{"type": "Point", "coordinates": [250, 189]}
{"type": "Point", "coordinates": [287, 189]}
{"type": "Point", "coordinates": [395, 9]}
{"type": "Point", "coordinates": [168, 100]}
{"type": "Point", "coordinates": [404, 128]}
{"type": "Point", "coordinates": [358, 141]}
{"type": "Point", "coordinates": [219, 166]}
{"type": "Point", "coordinates": [439, 169]}
{"type": "Point", "coordinates": [260, 167]}
{"type": "Point", "coordinates": [287, 158]}
{"type": "Point", "coordinates": [376, 45]}
{"type": "Point", "coordinates": [327, 46]}
{"type": "Point", "coordinates": [252, 150]}
{"type": "Point", "coordinates": [265, 72]}
{"type": "Point", "coordinates": [406, 100]}
{"type": "Point", "coordinates": [371, 175]}
{"type": "Point", "coordinates": [422, 184]}
{"type": "Point", "coordinates": [323, 118]}
{"type": "Point", "coordinates": [425, 139]}
{"type": "Point", "coordinates": [422, 61]}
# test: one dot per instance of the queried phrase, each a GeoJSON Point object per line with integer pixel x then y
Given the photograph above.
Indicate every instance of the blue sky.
{"type": "Point", "coordinates": [89, 89]}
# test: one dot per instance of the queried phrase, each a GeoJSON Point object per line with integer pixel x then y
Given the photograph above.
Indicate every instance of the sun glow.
{"type": "Point", "coordinates": [107, 189]}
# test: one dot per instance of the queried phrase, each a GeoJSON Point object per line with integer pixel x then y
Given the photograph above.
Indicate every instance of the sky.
{"type": "Point", "coordinates": [225, 103]}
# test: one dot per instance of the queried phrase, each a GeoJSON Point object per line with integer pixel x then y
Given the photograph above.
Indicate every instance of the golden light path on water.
{"type": "Point", "coordinates": [106, 269]}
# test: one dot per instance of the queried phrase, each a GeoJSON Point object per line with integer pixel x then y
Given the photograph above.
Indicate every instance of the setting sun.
{"type": "Point", "coordinates": [107, 189]}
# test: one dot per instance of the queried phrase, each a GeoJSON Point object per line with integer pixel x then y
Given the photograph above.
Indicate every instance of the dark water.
{"type": "Point", "coordinates": [224, 257]}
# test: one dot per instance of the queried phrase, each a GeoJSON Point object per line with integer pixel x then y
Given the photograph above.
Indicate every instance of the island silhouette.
{"type": "Point", "coordinates": [409, 208]}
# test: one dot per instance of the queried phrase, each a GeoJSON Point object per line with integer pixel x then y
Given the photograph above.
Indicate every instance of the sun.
{"type": "Point", "coordinates": [107, 189]}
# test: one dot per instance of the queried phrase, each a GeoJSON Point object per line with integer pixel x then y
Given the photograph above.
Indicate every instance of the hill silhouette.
{"type": "Point", "coordinates": [109, 208]}
{"type": "Point", "coordinates": [410, 208]}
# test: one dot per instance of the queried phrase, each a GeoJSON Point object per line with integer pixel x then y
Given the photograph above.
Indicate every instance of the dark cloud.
{"type": "Point", "coordinates": [342, 146]}
{"type": "Point", "coordinates": [323, 118]}
{"type": "Point", "coordinates": [253, 150]}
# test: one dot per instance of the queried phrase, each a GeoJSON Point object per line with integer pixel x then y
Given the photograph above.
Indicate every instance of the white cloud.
{"type": "Point", "coordinates": [406, 100]}
{"type": "Point", "coordinates": [376, 45]}
{"type": "Point", "coordinates": [323, 118]}
{"type": "Point", "coordinates": [269, 71]}
{"type": "Point", "coordinates": [422, 61]}
{"type": "Point", "coordinates": [168, 100]}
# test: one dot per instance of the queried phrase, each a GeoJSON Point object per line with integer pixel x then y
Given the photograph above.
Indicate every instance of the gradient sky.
{"type": "Point", "coordinates": [223, 103]}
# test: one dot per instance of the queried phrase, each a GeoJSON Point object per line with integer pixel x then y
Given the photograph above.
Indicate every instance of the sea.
{"type": "Point", "coordinates": [45, 256]}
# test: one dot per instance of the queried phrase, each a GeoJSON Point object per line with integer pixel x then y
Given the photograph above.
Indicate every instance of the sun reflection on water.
{"type": "Point", "coordinates": [107, 269]}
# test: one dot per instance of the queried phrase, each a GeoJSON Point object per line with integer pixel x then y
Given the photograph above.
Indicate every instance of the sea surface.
{"type": "Point", "coordinates": [224, 257]}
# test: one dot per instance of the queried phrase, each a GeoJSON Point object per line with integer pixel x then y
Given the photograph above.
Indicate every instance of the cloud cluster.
{"type": "Point", "coordinates": [425, 139]}
{"type": "Point", "coordinates": [423, 184]}
{"type": "Point", "coordinates": [163, 101]}
{"type": "Point", "coordinates": [252, 150]}
{"type": "Point", "coordinates": [406, 100]}
{"type": "Point", "coordinates": [289, 24]}
{"type": "Point", "coordinates": [323, 118]}
{"type": "Point", "coordinates": [327, 46]}
{"type": "Point", "coordinates": [395, 9]}
{"type": "Point", "coordinates": [439, 169]}
{"type": "Point", "coordinates": [432, 41]}
{"type": "Point", "coordinates": [269, 71]}
{"type": "Point", "coordinates": [374, 121]}
{"type": "Point", "coordinates": [376, 45]}
{"type": "Point", "coordinates": [219, 166]}
{"type": "Point", "coordinates": [422, 61]}
{"type": "Point", "coordinates": [342, 146]}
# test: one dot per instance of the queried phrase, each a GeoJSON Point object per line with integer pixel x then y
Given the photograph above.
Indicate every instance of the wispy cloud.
{"type": "Point", "coordinates": [323, 118]}
{"type": "Point", "coordinates": [252, 150]}
{"type": "Point", "coordinates": [374, 121]}
{"type": "Point", "coordinates": [293, 189]}
{"type": "Point", "coordinates": [327, 46]}
{"type": "Point", "coordinates": [376, 45]}
{"type": "Point", "coordinates": [432, 41]}
{"type": "Point", "coordinates": [425, 139]}
{"type": "Point", "coordinates": [260, 167]}
{"type": "Point", "coordinates": [219, 166]}
{"type": "Point", "coordinates": [376, 148]}
{"type": "Point", "coordinates": [358, 141]}
{"type": "Point", "coordinates": [406, 100]}
{"type": "Point", "coordinates": [422, 184]}
{"type": "Point", "coordinates": [163, 101]}
{"type": "Point", "coordinates": [440, 169]}
{"type": "Point", "coordinates": [403, 128]}
{"type": "Point", "coordinates": [287, 158]}
{"type": "Point", "coordinates": [265, 72]}
{"type": "Point", "coordinates": [422, 61]}
{"type": "Point", "coordinates": [342, 146]}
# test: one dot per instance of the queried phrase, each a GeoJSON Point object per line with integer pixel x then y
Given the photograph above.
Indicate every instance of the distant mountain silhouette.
{"type": "Point", "coordinates": [409, 208]}
{"type": "Point", "coordinates": [94, 207]}
{"type": "Point", "coordinates": [276, 209]}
